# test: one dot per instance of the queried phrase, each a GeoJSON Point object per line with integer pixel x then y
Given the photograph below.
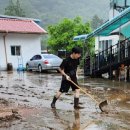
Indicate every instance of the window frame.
{"type": "Point", "coordinates": [15, 50]}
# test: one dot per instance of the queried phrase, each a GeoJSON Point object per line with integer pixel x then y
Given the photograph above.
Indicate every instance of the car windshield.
{"type": "Point", "coordinates": [49, 56]}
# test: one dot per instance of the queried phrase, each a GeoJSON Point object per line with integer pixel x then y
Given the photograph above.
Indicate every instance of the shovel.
{"type": "Point", "coordinates": [102, 104]}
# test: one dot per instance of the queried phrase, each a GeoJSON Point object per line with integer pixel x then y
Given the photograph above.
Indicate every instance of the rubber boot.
{"type": "Point", "coordinates": [76, 104]}
{"type": "Point", "coordinates": [53, 102]}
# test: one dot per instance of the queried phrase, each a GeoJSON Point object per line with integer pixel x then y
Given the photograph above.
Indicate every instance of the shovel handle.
{"type": "Point", "coordinates": [84, 91]}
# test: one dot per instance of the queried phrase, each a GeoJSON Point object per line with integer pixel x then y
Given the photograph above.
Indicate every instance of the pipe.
{"type": "Point", "coordinates": [4, 38]}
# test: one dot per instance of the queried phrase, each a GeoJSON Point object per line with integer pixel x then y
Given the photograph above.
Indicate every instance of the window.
{"type": "Point", "coordinates": [109, 43]}
{"type": "Point", "coordinates": [106, 44]}
{"type": "Point", "coordinates": [15, 50]}
{"type": "Point", "coordinates": [100, 45]}
{"type": "Point", "coordinates": [33, 58]}
{"type": "Point", "coordinates": [103, 45]}
{"type": "Point", "coordinates": [38, 57]}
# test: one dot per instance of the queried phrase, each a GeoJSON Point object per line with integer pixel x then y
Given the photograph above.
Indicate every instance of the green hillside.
{"type": "Point", "coordinates": [51, 11]}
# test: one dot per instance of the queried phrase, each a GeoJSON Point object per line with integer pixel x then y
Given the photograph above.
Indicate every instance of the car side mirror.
{"type": "Point", "coordinates": [31, 59]}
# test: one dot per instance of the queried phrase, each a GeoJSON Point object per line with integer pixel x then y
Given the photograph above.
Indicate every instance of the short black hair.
{"type": "Point", "coordinates": [76, 50]}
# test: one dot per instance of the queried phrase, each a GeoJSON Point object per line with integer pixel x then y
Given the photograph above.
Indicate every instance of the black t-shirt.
{"type": "Point", "coordinates": [70, 66]}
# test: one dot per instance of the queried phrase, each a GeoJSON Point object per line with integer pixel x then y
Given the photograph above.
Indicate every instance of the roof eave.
{"type": "Point", "coordinates": [5, 31]}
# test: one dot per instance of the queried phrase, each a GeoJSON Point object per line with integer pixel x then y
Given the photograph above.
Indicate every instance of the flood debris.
{"type": "Point", "coordinates": [7, 116]}
{"type": "Point", "coordinates": [1, 86]}
{"type": "Point", "coordinates": [7, 113]}
{"type": "Point", "coordinates": [4, 102]}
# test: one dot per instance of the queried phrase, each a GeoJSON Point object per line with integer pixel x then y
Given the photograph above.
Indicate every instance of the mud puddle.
{"type": "Point", "coordinates": [32, 93]}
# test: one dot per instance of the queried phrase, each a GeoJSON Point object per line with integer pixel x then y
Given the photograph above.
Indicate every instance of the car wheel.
{"type": "Point", "coordinates": [40, 68]}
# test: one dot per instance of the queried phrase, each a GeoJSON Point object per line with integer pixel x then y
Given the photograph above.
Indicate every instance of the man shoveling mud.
{"type": "Point", "coordinates": [68, 69]}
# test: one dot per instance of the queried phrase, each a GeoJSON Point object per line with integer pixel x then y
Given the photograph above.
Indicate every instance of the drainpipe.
{"type": "Point", "coordinates": [119, 55]}
{"type": "Point", "coordinates": [98, 53]}
{"type": "Point", "coordinates": [4, 38]}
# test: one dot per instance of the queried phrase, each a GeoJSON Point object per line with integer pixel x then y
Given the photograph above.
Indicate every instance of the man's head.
{"type": "Point", "coordinates": [76, 52]}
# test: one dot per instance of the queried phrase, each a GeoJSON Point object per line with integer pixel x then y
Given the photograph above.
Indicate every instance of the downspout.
{"type": "Point", "coordinates": [4, 38]}
{"type": "Point", "coordinates": [98, 52]}
{"type": "Point", "coordinates": [119, 53]}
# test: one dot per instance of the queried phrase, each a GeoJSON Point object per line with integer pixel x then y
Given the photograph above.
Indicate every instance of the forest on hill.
{"type": "Point", "coordinates": [52, 11]}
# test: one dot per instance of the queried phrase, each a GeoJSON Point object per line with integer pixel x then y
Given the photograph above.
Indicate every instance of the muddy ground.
{"type": "Point", "coordinates": [25, 103]}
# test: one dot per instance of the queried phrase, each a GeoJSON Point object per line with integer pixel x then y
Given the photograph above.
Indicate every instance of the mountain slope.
{"type": "Point", "coordinates": [51, 11]}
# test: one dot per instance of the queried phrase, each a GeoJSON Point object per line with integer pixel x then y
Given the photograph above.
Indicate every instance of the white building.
{"type": "Point", "coordinates": [104, 42]}
{"type": "Point", "coordinates": [111, 40]}
{"type": "Point", "coordinates": [19, 41]}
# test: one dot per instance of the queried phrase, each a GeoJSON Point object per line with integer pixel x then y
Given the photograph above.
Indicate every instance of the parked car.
{"type": "Point", "coordinates": [43, 62]}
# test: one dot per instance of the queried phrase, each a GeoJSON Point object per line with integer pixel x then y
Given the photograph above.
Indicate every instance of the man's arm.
{"type": "Point", "coordinates": [64, 74]}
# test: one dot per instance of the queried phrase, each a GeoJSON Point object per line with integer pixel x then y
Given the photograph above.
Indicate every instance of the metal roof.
{"type": "Point", "coordinates": [80, 37]}
{"type": "Point", "coordinates": [111, 25]}
{"type": "Point", "coordinates": [20, 26]}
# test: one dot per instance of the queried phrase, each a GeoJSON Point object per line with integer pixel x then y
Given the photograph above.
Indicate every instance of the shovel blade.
{"type": "Point", "coordinates": [102, 104]}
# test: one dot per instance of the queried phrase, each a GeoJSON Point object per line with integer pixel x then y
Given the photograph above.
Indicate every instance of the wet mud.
{"type": "Point", "coordinates": [25, 103]}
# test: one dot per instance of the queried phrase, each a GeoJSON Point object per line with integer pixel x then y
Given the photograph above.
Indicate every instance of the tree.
{"type": "Point", "coordinates": [96, 22]}
{"type": "Point", "coordinates": [14, 9]}
{"type": "Point", "coordinates": [61, 35]}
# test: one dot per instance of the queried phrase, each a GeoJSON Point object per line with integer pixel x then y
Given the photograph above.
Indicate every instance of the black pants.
{"type": "Point", "coordinates": [65, 85]}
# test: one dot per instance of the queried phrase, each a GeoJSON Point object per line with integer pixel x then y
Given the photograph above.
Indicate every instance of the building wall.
{"type": "Point", "coordinates": [113, 38]}
{"type": "Point", "coordinates": [2, 52]}
{"type": "Point", "coordinates": [30, 45]}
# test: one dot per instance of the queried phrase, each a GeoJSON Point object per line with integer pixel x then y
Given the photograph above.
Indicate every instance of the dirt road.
{"type": "Point", "coordinates": [27, 96]}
